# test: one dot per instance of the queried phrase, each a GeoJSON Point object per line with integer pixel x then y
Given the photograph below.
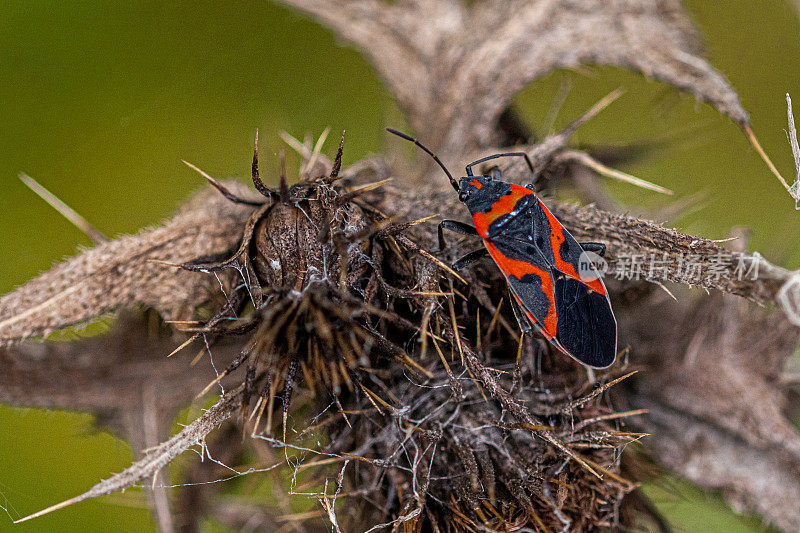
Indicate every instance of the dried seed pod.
{"type": "Point", "coordinates": [305, 256]}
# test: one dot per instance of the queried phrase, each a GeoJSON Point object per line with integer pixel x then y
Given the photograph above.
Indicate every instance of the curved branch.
{"type": "Point", "coordinates": [476, 58]}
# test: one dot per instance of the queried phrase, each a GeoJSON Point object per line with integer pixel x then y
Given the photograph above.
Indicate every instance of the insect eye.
{"type": "Point", "coordinates": [463, 195]}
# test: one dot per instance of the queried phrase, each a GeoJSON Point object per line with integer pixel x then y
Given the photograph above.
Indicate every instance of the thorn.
{"type": "Point", "coordinates": [593, 111]}
{"type": "Point", "coordinates": [48, 510]}
{"type": "Point", "coordinates": [221, 188]}
{"type": "Point", "coordinates": [186, 343]}
{"type": "Point", "coordinates": [664, 287]}
{"type": "Point", "coordinates": [337, 162]}
{"type": "Point", "coordinates": [479, 345]}
{"type": "Point", "coordinates": [410, 363]}
{"type": "Point", "coordinates": [319, 462]}
{"type": "Point", "coordinates": [270, 408]}
{"type": "Point", "coordinates": [431, 293]}
{"type": "Point", "coordinates": [430, 257]}
{"type": "Point", "coordinates": [370, 186]}
{"type": "Point", "coordinates": [167, 263]}
{"type": "Point", "coordinates": [458, 293]}
{"type": "Point", "coordinates": [517, 374]}
{"type": "Point", "coordinates": [246, 393]}
{"type": "Point", "coordinates": [66, 211]}
{"type": "Point", "coordinates": [257, 183]}
{"type": "Point", "coordinates": [423, 219]}
{"type": "Point", "coordinates": [342, 411]}
{"type": "Point", "coordinates": [210, 385]}
{"type": "Point", "coordinates": [587, 160]}
{"type": "Point", "coordinates": [495, 317]}
{"type": "Point", "coordinates": [256, 408]}
{"type": "Point", "coordinates": [254, 167]}
{"type": "Point", "coordinates": [399, 228]}
{"type": "Point", "coordinates": [754, 141]}
{"type": "Point", "coordinates": [614, 416]}
{"type": "Point", "coordinates": [621, 378]}
{"type": "Point", "coordinates": [261, 406]}
{"type": "Point", "coordinates": [299, 147]}
{"type": "Point", "coordinates": [317, 149]}
{"type": "Point", "coordinates": [198, 356]}
{"type": "Point", "coordinates": [532, 427]}
{"type": "Point", "coordinates": [423, 329]}
{"type": "Point", "coordinates": [358, 191]}
{"type": "Point", "coordinates": [288, 387]}
{"type": "Point", "coordinates": [372, 396]}
{"type": "Point", "coordinates": [596, 392]}
{"type": "Point", "coordinates": [359, 457]}
{"type": "Point", "coordinates": [284, 190]}
{"type": "Point", "coordinates": [519, 348]}
{"type": "Point", "coordinates": [589, 463]}
{"type": "Point", "coordinates": [456, 334]}
{"type": "Point", "coordinates": [443, 359]}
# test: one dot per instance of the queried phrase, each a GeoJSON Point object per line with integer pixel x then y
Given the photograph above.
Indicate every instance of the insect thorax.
{"type": "Point", "coordinates": [482, 192]}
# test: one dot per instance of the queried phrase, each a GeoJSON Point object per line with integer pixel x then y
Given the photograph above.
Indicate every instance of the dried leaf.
{"type": "Point", "coordinates": [477, 56]}
{"type": "Point", "coordinates": [158, 457]}
{"type": "Point", "coordinates": [122, 273]}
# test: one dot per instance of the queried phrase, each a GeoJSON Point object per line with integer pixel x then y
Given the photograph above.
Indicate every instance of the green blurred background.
{"type": "Point", "coordinates": [100, 102]}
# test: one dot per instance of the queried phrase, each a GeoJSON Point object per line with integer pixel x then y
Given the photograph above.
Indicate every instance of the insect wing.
{"type": "Point", "coordinates": [556, 285]}
{"type": "Point", "coordinates": [587, 329]}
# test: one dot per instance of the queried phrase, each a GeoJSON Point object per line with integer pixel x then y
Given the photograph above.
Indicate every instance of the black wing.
{"type": "Point", "coordinates": [587, 329]}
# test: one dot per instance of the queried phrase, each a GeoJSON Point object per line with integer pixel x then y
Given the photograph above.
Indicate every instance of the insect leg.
{"type": "Point", "coordinates": [469, 259]}
{"type": "Point", "coordinates": [456, 226]}
{"type": "Point", "coordinates": [597, 247]}
{"type": "Point", "coordinates": [519, 314]}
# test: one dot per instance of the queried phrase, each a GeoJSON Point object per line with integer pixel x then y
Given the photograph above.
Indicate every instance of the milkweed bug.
{"type": "Point", "coordinates": [554, 286]}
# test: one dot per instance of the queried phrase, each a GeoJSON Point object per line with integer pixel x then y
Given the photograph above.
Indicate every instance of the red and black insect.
{"type": "Point", "coordinates": [553, 284]}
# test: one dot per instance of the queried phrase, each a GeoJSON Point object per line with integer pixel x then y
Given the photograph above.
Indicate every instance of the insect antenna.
{"type": "Point", "coordinates": [495, 156]}
{"type": "Point", "coordinates": [453, 182]}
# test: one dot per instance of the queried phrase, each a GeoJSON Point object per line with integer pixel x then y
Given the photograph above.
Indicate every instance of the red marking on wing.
{"type": "Point", "coordinates": [556, 239]}
{"type": "Point", "coordinates": [503, 206]}
{"type": "Point", "coordinates": [477, 184]}
{"type": "Point", "coordinates": [519, 269]}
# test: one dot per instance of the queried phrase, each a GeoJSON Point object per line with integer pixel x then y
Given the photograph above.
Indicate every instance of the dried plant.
{"type": "Point", "coordinates": [416, 408]}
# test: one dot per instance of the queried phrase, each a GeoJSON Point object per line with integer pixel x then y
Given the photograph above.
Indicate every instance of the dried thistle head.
{"type": "Point", "coordinates": [309, 263]}
{"type": "Point", "coordinates": [440, 454]}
